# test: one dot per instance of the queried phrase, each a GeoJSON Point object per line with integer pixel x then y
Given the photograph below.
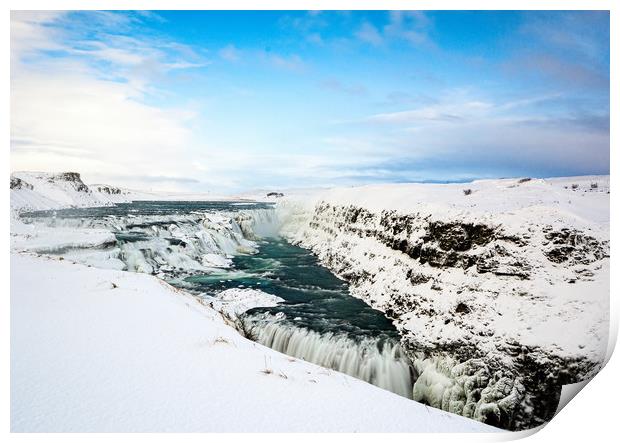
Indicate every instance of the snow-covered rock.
{"type": "Point", "coordinates": [235, 301]}
{"type": "Point", "coordinates": [500, 294]}
{"type": "Point", "coordinates": [31, 191]}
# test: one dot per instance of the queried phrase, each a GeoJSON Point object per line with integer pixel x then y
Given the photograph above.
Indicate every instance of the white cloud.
{"type": "Point", "coordinates": [230, 53]}
{"type": "Point", "coordinates": [68, 114]}
{"type": "Point", "coordinates": [30, 35]}
{"type": "Point", "coordinates": [100, 121]}
{"type": "Point", "coordinates": [463, 132]}
{"type": "Point", "coordinates": [336, 85]}
{"type": "Point", "coordinates": [369, 34]}
{"type": "Point", "coordinates": [446, 111]}
{"type": "Point", "coordinates": [315, 38]}
{"type": "Point", "coordinates": [410, 26]}
{"type": "Point", "coordinates": [287, 62]}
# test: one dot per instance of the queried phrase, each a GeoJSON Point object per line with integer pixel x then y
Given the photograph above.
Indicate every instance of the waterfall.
{"type": "Point", "coordinates": [169, 244]}
{"type": "Point", "coordinates": [376, 361]}
{"type": "Point", "coordinates": [257, 223]}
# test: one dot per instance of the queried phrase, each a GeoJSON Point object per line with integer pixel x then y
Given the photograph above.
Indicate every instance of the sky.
{"type": "Point", "coordinates": [228, 101]}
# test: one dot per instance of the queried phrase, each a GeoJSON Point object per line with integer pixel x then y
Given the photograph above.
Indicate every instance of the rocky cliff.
{"type": "Point", "coordinates": [500, 295]}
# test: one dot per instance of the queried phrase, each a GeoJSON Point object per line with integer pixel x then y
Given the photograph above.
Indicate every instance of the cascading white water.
{"type": "Point", "coordinates": [386, 367]}
{"type": "Point", "coordinates": [259, 223]}
{"type": "Point", "coordinates": [191, 242]}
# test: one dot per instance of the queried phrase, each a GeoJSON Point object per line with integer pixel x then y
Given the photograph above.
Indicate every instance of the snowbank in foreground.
{"type": "Point", "coordinates": [99, 350]}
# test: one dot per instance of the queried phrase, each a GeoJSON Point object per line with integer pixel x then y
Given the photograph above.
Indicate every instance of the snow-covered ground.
{"type": "Point", "coordinates": [97, 350]}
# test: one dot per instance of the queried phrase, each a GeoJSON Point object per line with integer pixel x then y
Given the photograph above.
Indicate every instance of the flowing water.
{"type": "Point", "coordinates": [209, 247]}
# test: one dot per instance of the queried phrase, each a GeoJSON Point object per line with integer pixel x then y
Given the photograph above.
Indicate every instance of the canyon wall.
{"type": "Point", "coordinates": [500, 293]}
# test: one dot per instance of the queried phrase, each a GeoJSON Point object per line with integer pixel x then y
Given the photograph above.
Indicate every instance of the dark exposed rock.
{"type": "Point", "coordinates": [500, 261]}
{"type": "Point", "coordinates": [18, 183]}
{"type": "Point", "coordinates": [439, 258]}
{"type": "Point", "coordinates": [355, 277]}
{"type": "Point", "coordinates": [111, 190]}
{"type": "Point", "coordinates": [417, 278]}
{"type": "Point", "coordinates": [559, 254]}
{"type": "Point", "coordinates": [71, 177]}
{"type": "Point", "coordinates": [275, 194]}
{"type": "Point", "coordinates": [176, 241]}
{"type": "Point", "coordinates": [462, 308]}
{"type": "Point", "coordinates": [574, 247]}
{"type": "Point", "coordinates": [458, 236]}
{"type": "Point", "coordinates": [441, 244]}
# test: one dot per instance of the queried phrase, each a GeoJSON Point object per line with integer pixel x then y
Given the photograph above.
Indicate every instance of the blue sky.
{"type": "Point", "coordinates": [228, 101]}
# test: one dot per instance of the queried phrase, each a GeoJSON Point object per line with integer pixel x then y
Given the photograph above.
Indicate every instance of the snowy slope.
{"type": "Point", "coordinates": [42, 190]}
{"type": "Point", "coordinates": [107, 351]}
{"type": "Point", "coordinates": [501, 293]}
{"type": "Point", "coordinates": [31, 191]}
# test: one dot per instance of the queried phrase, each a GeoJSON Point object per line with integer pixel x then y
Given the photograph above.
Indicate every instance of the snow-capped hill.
{"type": "Point", "coordinates": [42, 190]}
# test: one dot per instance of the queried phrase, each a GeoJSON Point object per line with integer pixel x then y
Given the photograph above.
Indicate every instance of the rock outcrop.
{"type": "Point", "coordinates": [71, 177]}
{"type": "Point", "coordinates": [110, 190]}
{"type": "Point", "coordinates": [275, 194]}
{"type": "Point", "coordinates": [18, 183]}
